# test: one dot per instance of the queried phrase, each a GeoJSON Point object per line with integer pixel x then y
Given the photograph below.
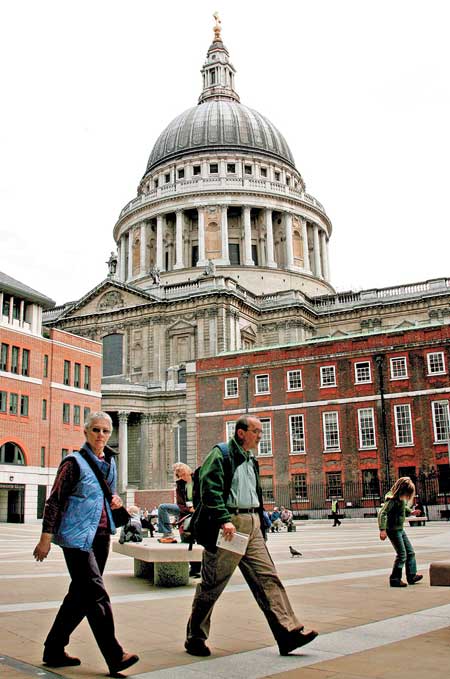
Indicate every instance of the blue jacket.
{"type": "Point", "coordinates": [81, 515]}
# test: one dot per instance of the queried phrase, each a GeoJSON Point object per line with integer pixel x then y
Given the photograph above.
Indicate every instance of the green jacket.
{"type": "Point", "coordinates": [216, 474]}
{"type": "Point", "coordinates": [393, 513]}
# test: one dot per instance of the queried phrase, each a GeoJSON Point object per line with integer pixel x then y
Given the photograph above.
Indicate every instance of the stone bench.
{"type": "Point", "coordinates": [417, 520]}
{"type": "Point", "coordinates": [165, 565]}
{"type": "Point", "coordinates": [440, 574]}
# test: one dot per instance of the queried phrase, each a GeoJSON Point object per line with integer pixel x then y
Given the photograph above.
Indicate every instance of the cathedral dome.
{"type": "Point", "coordinates": [219, 125]}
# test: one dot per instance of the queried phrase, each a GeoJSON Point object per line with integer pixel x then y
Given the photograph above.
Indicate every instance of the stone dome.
{"type": "Point", "coordinates": [219, 125]}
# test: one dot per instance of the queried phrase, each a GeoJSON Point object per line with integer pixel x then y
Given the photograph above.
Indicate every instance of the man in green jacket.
{"type": "Point", "coordinates": [231, 500]}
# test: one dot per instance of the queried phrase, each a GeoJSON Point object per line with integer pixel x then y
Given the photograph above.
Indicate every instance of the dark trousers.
{"type": "Point", "coordinates": [405, 555]}
{"type": "Point", "coordinates": [88, 597]}
{"type": "Point", "coordinates": [336, 519]}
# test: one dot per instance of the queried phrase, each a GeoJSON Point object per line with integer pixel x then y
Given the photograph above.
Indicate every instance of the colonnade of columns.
{"type": "Point", "coordinates": [314, 238]}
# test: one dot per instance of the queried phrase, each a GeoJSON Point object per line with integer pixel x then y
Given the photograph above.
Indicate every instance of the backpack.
{"type": "Point", "coordinates": [189, 532]}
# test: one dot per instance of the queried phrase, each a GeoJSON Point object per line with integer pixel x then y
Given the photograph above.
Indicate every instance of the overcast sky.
{"type": "Point", "coordinates": [359, 88]}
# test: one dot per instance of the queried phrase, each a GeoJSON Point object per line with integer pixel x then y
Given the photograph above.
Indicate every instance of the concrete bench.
{"type": "Point", "coordinates": [440, 574]}
{"type": "Point", "coordinates": [417, 520]}
{"type": "Point", "coordinates": [165, 565]}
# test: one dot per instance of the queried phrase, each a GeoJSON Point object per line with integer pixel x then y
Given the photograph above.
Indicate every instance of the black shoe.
{"type": "Point", "coordinates": [296, 639]}
{"type": "Point", "coordinates": [126, 661]}
{"type": "Point", "coordinates": [197, 647]}
{"type": "Point", "coordinates": [397, 583]}
{"type": "Point", "coordinates": [60, 660]}
{"type": "Point", "coordinates": [414, 579]}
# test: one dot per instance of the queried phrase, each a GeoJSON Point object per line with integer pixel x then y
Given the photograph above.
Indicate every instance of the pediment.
{"type": "Point", "coordinates": [106, 297]}
{"type": "Point", "coordinates": [248, 331]}
{"type": "Point", "coordinates": [181, 326]}
{"type": "Point", "coordinates": [405, 324]}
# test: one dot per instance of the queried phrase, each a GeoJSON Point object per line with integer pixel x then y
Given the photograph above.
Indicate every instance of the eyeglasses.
{"type": "Point", "coordinates": [97, 430]}
{"type": "Point", "coordinates": [255, 431]}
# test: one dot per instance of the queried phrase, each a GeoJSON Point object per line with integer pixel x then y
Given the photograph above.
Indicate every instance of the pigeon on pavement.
{"type": "Point", "coordinates": [294, 552]}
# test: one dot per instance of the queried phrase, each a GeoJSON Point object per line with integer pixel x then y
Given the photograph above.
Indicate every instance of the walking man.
{"type": "Point", "coordinates": [335, 512]}
{"type": "Point", "coordinates": [231, 499]}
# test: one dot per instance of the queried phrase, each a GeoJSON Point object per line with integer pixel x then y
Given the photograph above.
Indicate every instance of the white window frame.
{"type": "Point", "coordinates": [405, 363]}
{"type": "Point", "coordinates": [228, 380]}
{"type": "Point", "coordinates": [327, 448]}
{"type": "Point", "coordinates": [358, 381]}
{"type": "Point", "coordinates": [322, 372]}
{"type": "Point", "coordinates": [290, 372]}
{"type": "Point", "coordinates": [445, 404]}
{"type": "Point", "coordinates": [257, 391]}
{"type": "Point", "coordinates": [436, 372]}
{"type": "Point", "coordinates": [229, 429]}
{"type": "Point", "coordinates": [397, 437]}
{"type": "Point", "coordinates": [302, 439]}
{"type": "Point", "coordinates": [373, 445]}
{"type": "Point", "coordinates": [266, 424]}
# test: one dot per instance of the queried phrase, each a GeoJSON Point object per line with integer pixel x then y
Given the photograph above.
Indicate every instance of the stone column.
{"type": "Point", "coordinates": [130, 254]}
{"type": "Point", "coordinates": [269, 240]}
{"type": "Point", "coordinates": [231, 332]}
{"type": "Point", "coordinates": [317, 265]}
{"type": "Point", "coordinates": [306, 262]}
{"type": "Point", "coordinates": [200, 316]}
{"type": "Point", "coordinates": [123, 451]}
{"type": "Point", "coordinates": [324, 250]}
{"type": "Point", "coordinates": [143, 247]}
{"type": "Point", "coordinates": [122, 259]}
{"type": "Point", "coordinates": [212, 318]}
{"type": "Point", "coordinates": [159, 242]}
{"type": "Point", "coordinates": [288, 236]}
{"type": "Point", "coordinates": [179, 264]}
{"type": "Point", "coordinates": [248, 260]}
{"type": "Point", "coordinates": [225, 254]}
{"type": "Point", "coordinates": [22, 312]}
{"type": "Point", "coordinates": [237, 330]}
{"type": "Point", "coordinates": [201, 236]}
{"type": "Point", "coordinates": [146, 457]}
{"type": "Point", "coordinates": [11, 308]}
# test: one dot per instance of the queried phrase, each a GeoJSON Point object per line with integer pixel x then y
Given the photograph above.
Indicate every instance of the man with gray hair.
{"type": "Point", "coordinates": [231, 500]}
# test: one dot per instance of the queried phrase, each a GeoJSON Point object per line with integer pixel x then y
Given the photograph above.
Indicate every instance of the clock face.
{"type": "Point", "coordinates": [213, 57]}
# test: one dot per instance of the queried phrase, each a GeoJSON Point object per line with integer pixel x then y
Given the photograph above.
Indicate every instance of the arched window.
{"type": "Point", "coordinates": [112, 354]}
{"type": "Point", "coordinates": [181, 375]}
{"type": "Point", "coordinates": [10, 453]}
{"type": "Point", "coordinates": [298, 249]}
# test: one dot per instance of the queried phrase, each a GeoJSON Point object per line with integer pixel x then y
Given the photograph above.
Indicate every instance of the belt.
{"type": "Point", "coordinates": [248, 510]}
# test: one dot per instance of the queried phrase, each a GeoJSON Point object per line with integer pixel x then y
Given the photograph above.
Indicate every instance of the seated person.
{"type": "Point", "coordinates": [286, 516]}
{"type": "Point", "coordinates": [146, 521]}
{"type": "Point", "coordinates": [132, 531]}
{"type": "Point", "coordinates": [183, 506]}
{"type": "Point", "coordinates": [275, 517]}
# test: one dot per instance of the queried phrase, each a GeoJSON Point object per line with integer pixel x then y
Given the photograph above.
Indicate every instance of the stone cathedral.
{"type": "Point", "coordinates": [221, 250]}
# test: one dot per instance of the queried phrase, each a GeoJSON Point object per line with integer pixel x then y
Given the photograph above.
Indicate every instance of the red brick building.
{"type": "Point", "coordinates": [341, 417]}
{"type": "Point", "coordinates": [47, 387]}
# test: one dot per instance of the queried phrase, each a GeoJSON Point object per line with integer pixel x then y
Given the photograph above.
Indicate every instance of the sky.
{"type": "Point", "coordinates": [359, 88]}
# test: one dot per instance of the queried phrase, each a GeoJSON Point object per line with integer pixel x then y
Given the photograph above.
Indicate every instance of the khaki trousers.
{"type": "Point", "coordinates": [259, 572]}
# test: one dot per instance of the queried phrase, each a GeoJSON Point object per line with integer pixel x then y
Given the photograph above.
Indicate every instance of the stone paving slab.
{"type": "Point", "coordinates": [330, 593]}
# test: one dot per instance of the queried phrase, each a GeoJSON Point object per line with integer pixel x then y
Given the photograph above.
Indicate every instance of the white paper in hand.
{"type": "Point", "coordinates": [237, 544]}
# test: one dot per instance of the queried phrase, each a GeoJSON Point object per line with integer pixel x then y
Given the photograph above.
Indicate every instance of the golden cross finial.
{"type": "Point", "coordinates": [217, 27]}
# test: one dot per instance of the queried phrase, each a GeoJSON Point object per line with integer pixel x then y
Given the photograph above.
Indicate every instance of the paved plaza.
{"type": "Point", "coordinates": [339, 586]}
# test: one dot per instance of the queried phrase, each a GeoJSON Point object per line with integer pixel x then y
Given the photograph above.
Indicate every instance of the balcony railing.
{"type": "Point", "coordinates": [186, 186]}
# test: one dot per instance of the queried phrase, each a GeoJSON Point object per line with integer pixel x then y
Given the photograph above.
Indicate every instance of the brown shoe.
{"type": "Point", "coordinates": [296, 639]}
{"type": "Point", "coordinates": [126, 661]}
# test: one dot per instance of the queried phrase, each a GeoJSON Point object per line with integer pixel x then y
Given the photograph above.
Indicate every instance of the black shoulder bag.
{"type": "Point", "coordinates": [120, 515]}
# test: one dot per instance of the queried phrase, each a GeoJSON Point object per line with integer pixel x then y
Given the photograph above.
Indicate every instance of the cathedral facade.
{"type": "Point", "coordinates": [222, 250]}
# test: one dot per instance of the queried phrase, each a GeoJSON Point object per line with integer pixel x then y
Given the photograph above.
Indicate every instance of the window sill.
{"type": "Point", "coordinates": [230, 398]}
{"type": "Point", "coordinates": [363, 450]}
{"type": "Point", "coordinates": [333, 450]}
{"type": "Point", "coordinates": [404, 445]}
{"type": "Point", "coordinates": [303, 452]}
{"type": "Point", "coordinates": [358, 384]}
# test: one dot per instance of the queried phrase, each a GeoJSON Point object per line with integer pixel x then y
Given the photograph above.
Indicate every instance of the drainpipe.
{"type": "Point", "coordinates": [379, 360]}
{"type": "Point", "coordinates": [246, 375]}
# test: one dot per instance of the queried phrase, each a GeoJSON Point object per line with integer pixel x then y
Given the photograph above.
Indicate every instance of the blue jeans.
{"type": "Point", "coordinates": [164, 512]}
{"type": "Point", "coordinates": [404, 554]}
